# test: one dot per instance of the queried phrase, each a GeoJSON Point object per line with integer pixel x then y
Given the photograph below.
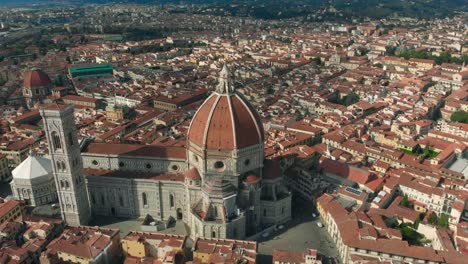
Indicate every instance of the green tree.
{"type": "Point", "coordinates": [391, 222]}
{"type": "Point", "coordinates": [432, 219]}
{"type": "Point", "coordinates": [129, 113]}
{"type": "Point", "coordinates": [405, 202]}
{"type": "Point", "coordinates": [351, 98]}
{"type": "Point", "coordinates": [443, 220]}
{"type": "Point", "coordinates": [58, 82]}
{"type": "Point", "coordinates": [426, 151]}
{"type": "Point", "coordinates": [317, 61]}
{"type": "Point", "coordinates": [459, 116]}
{"type": "Point", "coordinates": [410, 235]}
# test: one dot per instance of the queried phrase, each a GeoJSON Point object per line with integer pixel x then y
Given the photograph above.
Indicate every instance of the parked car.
{"type": "Point", "coordinates": [314, 215]}
{"type": "Point", "coordinates": [319, 224]}
{"type": "Point", "coordinates": [265, 235]}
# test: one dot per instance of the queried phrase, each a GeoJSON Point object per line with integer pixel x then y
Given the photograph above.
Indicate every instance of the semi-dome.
{"type": "Point", "coordinates": [252, 179]}
{"type": "Point", "coordinates": [218, 187]}
{"type": "Point", "coordinates": [226, 120]}
{"type": "Point", "coordinates": [193, 174]}
{"type": "Point", "coordinates": [33, 167]}
{"type": "Point", "coordinates": [36, 78]}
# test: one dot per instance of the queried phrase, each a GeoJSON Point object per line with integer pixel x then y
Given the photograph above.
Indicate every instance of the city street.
{"type": "Point", "coordinates": [299, 234]}
{"type": "Point", "coordinates": [5, 189]}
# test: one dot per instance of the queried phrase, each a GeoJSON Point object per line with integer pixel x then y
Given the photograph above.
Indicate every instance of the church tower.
{"type": "Point", "coordinates": [60, 128]}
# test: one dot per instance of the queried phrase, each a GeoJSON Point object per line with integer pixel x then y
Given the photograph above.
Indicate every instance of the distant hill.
{"type": "Point", "coordinates": [292, 8]}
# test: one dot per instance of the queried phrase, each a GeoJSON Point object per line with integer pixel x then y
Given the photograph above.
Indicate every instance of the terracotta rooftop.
{"type": "Point", "coordinates": [137, 175]}
{"type": "Point", "coordinates": [85, 242]}
{"type": "Point", "coordinates": [137, 150]}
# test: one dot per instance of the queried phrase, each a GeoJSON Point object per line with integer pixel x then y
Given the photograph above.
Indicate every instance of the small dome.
{"type": "Point", "coordinates": [193, 174]}
{"type": "Point", "coordinates": [252, 179]}
{"type": "Point", "coordinates": [33, 167]}
{"type": "Point", "coordinates": [36, 78]}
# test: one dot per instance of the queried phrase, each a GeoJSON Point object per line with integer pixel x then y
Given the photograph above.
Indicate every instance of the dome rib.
{"type": "Point", "coordinates": [233, 124]}
{"type": "Point", "coordinates": [196, 129]}
{"type": "Point", "coordinates": [209, 122]}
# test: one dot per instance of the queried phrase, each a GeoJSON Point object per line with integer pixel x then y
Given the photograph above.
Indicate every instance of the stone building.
{"type": "Point", "coordinates": [5, 174]}
{"type": "Point", "coordinates": [33, 181]}
{"type": "Point", "coordinates": [221, 186]}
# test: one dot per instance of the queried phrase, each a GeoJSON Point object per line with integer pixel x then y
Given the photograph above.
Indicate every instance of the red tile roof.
{"type": "Point", "coordinates": [344, 170]}
{"type": "Point", "coordinates": [137, 150]}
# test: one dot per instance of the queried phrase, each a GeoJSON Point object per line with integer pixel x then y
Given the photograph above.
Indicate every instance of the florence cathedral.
{"type": "Point", "coordinates": [220, 184]}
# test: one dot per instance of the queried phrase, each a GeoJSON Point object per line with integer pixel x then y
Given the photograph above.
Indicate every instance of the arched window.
{"type": "Point", "coordinates": [103, 201]}
{"type": "Point", "coordinates": [216, 211]}
{"type": "Point", "coordinates": [56, 141]}
{"type": "Point", "coordinates": [67, 185]}
{"type": "Point", "coordinates": [145, 199]}
{"type": "Point", "coordinates": [171, 200]}
{"type": "Point", "coordinates": [62, 185]}
{"type": "Point", "coordinates": [264, 212]}
{"type": "Point", "coordinates": [213, 234]}
{"type": "Point", "coordinates": [63, 166]}
{"type": "Point", "coordinates": [59, 166]}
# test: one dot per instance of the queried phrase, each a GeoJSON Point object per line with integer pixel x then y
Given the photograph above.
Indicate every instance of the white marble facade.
{"type": "Point", "coordinates": [218, 193]}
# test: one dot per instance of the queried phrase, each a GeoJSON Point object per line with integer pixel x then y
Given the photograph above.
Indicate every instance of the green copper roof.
{"type": "Point", "coordinates": [82, 69]}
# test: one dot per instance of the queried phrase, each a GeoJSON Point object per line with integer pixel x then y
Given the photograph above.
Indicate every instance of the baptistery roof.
{"type": "Point", "coordinates": [33, 167]}
{"type": "Point", "coordinates": [226, 120]}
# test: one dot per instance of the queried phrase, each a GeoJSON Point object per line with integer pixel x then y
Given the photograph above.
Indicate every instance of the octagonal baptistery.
{"type": "Point", "coordinates": [226, 135]}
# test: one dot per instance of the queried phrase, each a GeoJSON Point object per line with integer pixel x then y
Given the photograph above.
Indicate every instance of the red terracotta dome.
{"type": "Point", "coordinates": [193, 174]}
{"type": "Point", "coordinates": [252, 179]}
{"type": "Point", "coordinates": [36, 78]}
{"type": "Point", "coordinates": [226, 120]}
